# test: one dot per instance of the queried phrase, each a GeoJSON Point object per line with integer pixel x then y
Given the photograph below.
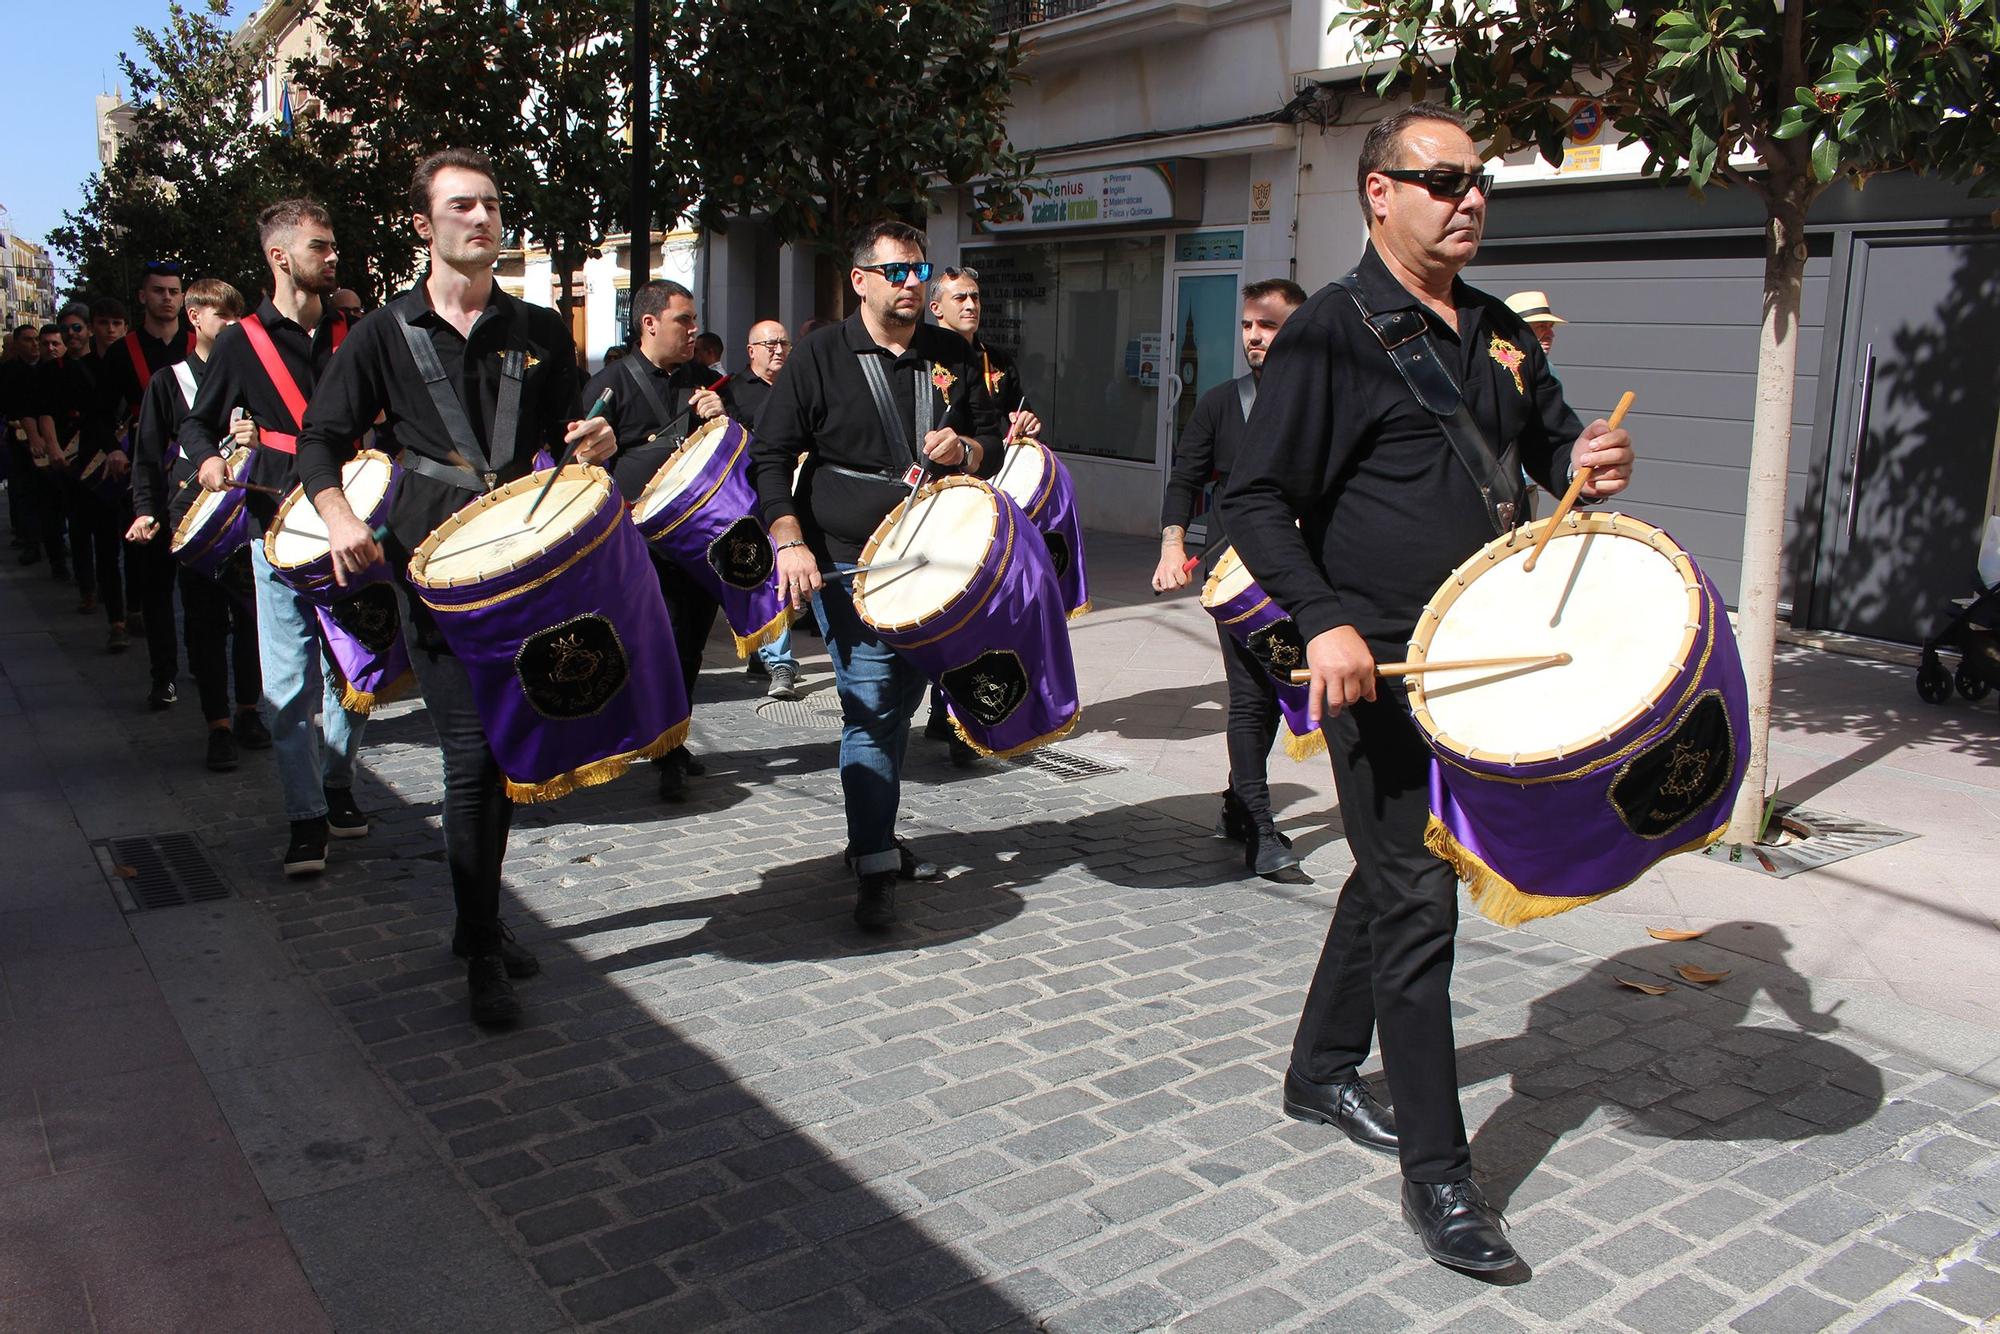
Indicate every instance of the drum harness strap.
{"type": "Point", "coordinates": [892, 422]}
{"type": "Point", "coordinates": [480, 475]}
{"type": "Point", "coordinates": [281, 378]}
{"type": "Point", "coordinates": [1246, 394]}
{"type": "Point", "coordinates": [1406, 336]}
{"type": "Point", "coordinates": [651, 394]}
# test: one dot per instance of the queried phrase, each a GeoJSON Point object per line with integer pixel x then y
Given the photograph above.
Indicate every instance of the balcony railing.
{"type": "Point", "coordinates": [1011, 14]}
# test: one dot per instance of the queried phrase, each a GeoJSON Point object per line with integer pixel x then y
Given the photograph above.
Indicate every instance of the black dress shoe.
{"type": "Point", "coordinates": [1350, 1107]}
{"type": "Point", "coordinates": [490, 994]}
{"type": "Point", "coordinates": [1266, 851]}
{"type": "Point", "coordinates": [937, 727]}
{"type": "Point", "coordinates": [221, 750]}
{"type": "Point", "coordinates": [251, 734]}
{"type": "Point", "coordinates": [673, 778]}
{"type": "Point", "coordinates": [1457, 1226]}
{"type": "Point", "coordinates": [519, 961]}
{"type": "Point", "coordinates": [908, 865]}
{"type": "Point", "coordinates": [691, 764]}
{"type": "Point", "coordinates": [875, 902]}
{"type": "Point", "coordinates": [1234, 824]}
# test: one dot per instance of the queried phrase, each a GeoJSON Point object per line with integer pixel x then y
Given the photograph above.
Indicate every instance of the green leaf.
{"type": "Point", "coordinates": [1825, 158]}
{"type": "Point", "coordinates": [1792, 124]}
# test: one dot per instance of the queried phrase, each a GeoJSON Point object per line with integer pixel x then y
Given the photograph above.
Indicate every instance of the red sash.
{"type": "Point", "coordinates": [142, 370]}
{"type": "Point", "coordinates": [281, 379]}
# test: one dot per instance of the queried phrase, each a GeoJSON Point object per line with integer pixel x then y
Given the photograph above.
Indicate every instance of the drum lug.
{"type": "Point", "coordinates": [492, 480]}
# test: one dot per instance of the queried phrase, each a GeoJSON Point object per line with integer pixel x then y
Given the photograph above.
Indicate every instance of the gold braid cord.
{"type": "Point", "coordinates": [597, 771]}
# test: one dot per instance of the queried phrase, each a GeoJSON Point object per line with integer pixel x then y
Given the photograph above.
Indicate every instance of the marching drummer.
{"type": "Point", "coordinates": [1350, 504]}
{"type": "Point", "coordinates": [448, 361]}
{"type": "Point", "coordinates": [878, 402]}
{"type": "Point", "coordinates": [659, 395]}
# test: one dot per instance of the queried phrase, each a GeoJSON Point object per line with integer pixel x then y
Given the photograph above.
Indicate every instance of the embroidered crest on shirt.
{"type": "Point", "coordinates": [528, 360]}
{"type": "Point", "coordinates": [943, 379]}
{"type": "Point", "coordinates": [1511, 357]}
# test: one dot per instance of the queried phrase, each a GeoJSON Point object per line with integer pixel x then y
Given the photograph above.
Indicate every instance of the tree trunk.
{"type": "Point", "coordinates": [1764, 508]}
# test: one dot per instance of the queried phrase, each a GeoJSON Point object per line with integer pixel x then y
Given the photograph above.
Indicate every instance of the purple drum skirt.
{"type": "Point", "coordinates": [1268, 634]}
{"type": "Point", "coordinates": [1052, 509]}
{"type": "Point", "coordinates": [226, 530]}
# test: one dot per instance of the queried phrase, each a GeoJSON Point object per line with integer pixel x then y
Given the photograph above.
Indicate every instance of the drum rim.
{"type": "Point", "coordinates": [1046, 491]}
{"type": "Point", "coordinates": [1227, 556]}
{"type": "Point", "coordinates": [421, 557]}
{"type": "Point", "coordinates": [702, 432]}
{"type": "Point", "coordinates": [1488, 557]}
{"type": "Point", "coordinates": [237, 461]}
{"type": "Point", "coordinates": [888, 523]}
{"type": "Point", "coordinates": [298, 496]}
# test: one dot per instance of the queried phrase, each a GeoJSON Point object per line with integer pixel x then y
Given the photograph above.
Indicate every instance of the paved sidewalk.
{"type": "Point", "coordinates": [1049, 1099]}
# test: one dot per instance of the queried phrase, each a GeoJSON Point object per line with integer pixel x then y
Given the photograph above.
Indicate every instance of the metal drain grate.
{"type": "Point", "coordinates": [160, 871]}
{"type": "Point", "coordinates": [1066, 765]}
{"type": "Point", "coordinates": [1812, 839]}
{"type": "Point", "coordinates": [809, 713]}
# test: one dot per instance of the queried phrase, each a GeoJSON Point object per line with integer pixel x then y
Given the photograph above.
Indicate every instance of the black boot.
{"type": "Point", "coordinates": [490, 994]}
{"type": "Point", "coordinates": [1457, 1226]}
{"type": "Point", "coordinates": [875, 901]}
{"type": "Point", "coordinates": [1235, 823]}
{"type": "Point", "coordinates": [1350, 1107]}
{"type": "Point", "coordinates": [1268, 852]}
{"type": "Point", "coordinates": [519, 961]}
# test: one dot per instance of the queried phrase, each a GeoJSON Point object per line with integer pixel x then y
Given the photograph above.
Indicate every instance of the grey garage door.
{"type": "Point", "coordinates": [1676, 323]}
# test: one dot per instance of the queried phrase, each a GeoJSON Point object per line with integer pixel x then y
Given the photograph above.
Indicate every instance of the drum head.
{"type": "Point", "coordinates": [300, 534]}
{"type": "Point", "coordinates": [952, 525]}
{"type": "Point", "coordinates": [202, 509]}
{"type": "Point", "coordinates": [1615, 594]}
{"type": "Point", "coordinates": [1227, 580]}
{"type": "Point", "coordinates": [688, 464]}
{"type": "Point", "coordinates": [492, 535]}
{"type": "Point", "coordinates": [1023, 473]}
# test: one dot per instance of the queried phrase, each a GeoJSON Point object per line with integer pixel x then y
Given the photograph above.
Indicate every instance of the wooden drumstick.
{"type": "Point", "coordinates": [1576, 485]}
{"type": "Point", "coordinates": [1462, 665]}
{"type": "Point", "coordinates": [917, 561]}
{"type": "Point", "coordinates": [596, 410]}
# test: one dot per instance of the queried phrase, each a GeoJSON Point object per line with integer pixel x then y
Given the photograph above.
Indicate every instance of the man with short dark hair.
{"type": "Point", "coordinates": [347, 302]}
{"type": "Point", "coordinates": [874, 401]}
{"type": "Point", "coordinates": [1351, 503]}
{"type": "Point", "coordinates": [485, 343]}
{"type": "Point", "coordinates": [660, 394]}
{"type": "Point", "coordinates": [1208, 448]}
{"type": "Point", "coordinates": [268, 365]}
{"type": "Point", "coordinates": [708, 350]}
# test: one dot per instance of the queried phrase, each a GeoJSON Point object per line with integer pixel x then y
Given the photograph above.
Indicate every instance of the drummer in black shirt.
{"type": "Point", "coordinates": [859, 468]}
{"type": "Point", "coordinates": [1350, 506]}
{"type": "Point", "coordinates": [659, 395]}
{"type": "Point", "coordinates": [1207, 449]}
{"type": "Point", "coordinates": [463, 318]}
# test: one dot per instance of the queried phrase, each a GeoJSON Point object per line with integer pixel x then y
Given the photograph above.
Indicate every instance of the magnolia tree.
{"type": "Point", "coordinates": [1809, 93]}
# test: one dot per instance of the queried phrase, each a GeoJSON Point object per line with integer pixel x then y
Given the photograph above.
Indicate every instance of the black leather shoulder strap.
{"type": "Point", "coordinates": [1246, 393]}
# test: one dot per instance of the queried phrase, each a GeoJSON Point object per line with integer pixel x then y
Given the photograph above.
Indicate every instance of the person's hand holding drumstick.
{"type": "Point", "coordinates": [798, 568]}
{"type": "Point", "coordinates": [1343, 672]}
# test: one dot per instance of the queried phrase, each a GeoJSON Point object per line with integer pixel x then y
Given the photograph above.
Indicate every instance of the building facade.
{"type": "Point", "coordinates": [27, 282]}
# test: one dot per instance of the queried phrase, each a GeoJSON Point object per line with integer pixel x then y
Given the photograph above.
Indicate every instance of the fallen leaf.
{"type": "Point", "coordinates": [1694, 974]}
{"type": "Point", "coordinates": [1650, 988]}
{"type": "Point", "coordinates": [126, 872]}
{"type": "Point", "coordinates": [1673, 933]}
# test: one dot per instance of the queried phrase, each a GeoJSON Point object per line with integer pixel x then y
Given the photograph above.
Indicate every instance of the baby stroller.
{"type": "Point", "coordinates": [1973, 629]}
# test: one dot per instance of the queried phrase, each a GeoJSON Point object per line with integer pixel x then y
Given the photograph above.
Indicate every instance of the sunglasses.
{"type": "Point", "coordinates": [970, 273]}
{"type": "Point", "coordinates": [899, 272]}
{"type": "Point", "coordinates": [1445, 182]}
{"type": "Point", "coordinates": [73, 328]}
{"type": "Point", "coordinates": [166, 267]}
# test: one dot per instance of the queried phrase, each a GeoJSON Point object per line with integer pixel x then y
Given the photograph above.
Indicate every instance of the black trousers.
{"type": "Point", "coordinates": [95, 538]}
{"type": "Point", "coordinates": [1387, 959]}
{"type": "Point", "coordinates": [151, 566]}
{"type": "Point", "coordinates": [692, 612]}
{"type": "Point", "coordinates": [219, 621]}
{"type": "Point", "coordinates": [478, 814]}
{"type": "Point", "coordinates": [48, 493]}
{"type": "Point", "coordinates": [1253, 725]}
{"type": "Point", "coordinates": [23, 511]}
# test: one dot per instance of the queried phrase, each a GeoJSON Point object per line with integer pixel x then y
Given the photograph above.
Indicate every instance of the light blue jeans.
{"type": "Point", "coordinates": [778, 653]}
{"type": "Point", "coordinates": [879, 692]}
{"type": "Point", "coordinates": [312, 756]}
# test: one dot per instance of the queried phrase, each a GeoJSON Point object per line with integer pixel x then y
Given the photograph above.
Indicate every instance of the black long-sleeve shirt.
{"type": "Point", "coordinates": [157, 354]}
{"type": "Point", "coordinates": [644, 438]}
{"type": "Point", "coordinates": [1207, 448]}
{"type": "Point", "coordinates": [821, 406]}
{"type": "Point", "coordinates": [1337, 441]}
{"type": "Point", "coordinates": [156, 484]}
{"type": "Point", "coordinates": [747, 396]}
{"type": "Point", "coordinates": [375, 374]}
{"type": "Point", "coordinates": [73, 396]}
{"type": "Point", "coordinates": [236, 379]}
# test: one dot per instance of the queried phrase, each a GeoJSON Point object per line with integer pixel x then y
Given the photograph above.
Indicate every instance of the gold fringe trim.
{"type": "Point", "coordinates": [1046, 739]}
{"type": "Point", "coordinates": [1501, 902]}
{"type": "Point", "coordinates": [1087, 607]}
{"type": "Point", "coordinates": [364, 701]}
{"type": "Point", "coordinates": [1302, 747]}
{"type": "Point", "coordinates": [597, 771]}
{"type": "Point", "coordinates": [756, 639]}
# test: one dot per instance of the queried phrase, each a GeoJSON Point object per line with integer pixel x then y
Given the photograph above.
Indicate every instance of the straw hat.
{"type": "Point", "coordinates": [1533, 307]}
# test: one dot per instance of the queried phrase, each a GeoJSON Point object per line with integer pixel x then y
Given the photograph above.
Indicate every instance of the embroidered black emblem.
{"type": "Point", "coordinates": [1278, 648]}
{"type": "Point", "coordinates": [1058, 552]}
{"type": "Point", "coordinates": [1661, 789]}
{"type": "Point", "coordinates": [990, 687]}
{"type": "Point", "coordinates": [573, 669]}
{"type": "Point", "coordinates": [370, 617]}
{"type": "Point", "coordinates": [741, 554]}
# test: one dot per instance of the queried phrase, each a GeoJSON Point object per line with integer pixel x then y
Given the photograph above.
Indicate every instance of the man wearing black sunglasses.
{"type": "Point", "coordinates": [1352, 503]}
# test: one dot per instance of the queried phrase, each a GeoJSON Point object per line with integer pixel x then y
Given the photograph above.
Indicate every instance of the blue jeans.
{"type": "Point", "coordinates": [778, 653]}
{"type": "Point", "coordinates": [297, 683]}
{"type": "Point", "coordinates": [879, 692]}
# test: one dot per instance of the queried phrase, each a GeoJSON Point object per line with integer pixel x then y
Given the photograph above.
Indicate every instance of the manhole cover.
{"type": "Point", "coordinates": [1065, 765]}
{"type": "Point", "coordinates": [816, 713]}
{"type": "Point", "coordinates": [1813, 840]}
{"type": "Point", "coordinates": [149, 871]}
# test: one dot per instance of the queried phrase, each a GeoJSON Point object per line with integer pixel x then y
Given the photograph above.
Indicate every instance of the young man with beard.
{"type": "Point", "coordinates": [220, 620]}
{"type": "Point", "coordinates": [660, 394]}
{"type": "Point", "coordinates": [268, 365]}
{"type": "Point", "coordinates": [936, 417]}
{"type": "Point", "coordinates": [468, 332]}
{"type": "Point", "coordinates": [1209, 448]}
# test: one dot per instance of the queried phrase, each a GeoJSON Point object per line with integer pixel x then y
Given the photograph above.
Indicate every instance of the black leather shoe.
{"type": "Point", "coordinates": [490, 994]}
{"type": "Point", "coordinates": [1351, 1108]}
{"type": "Point", "coordinates": [1457, 1226]}
{"type": "Point", "coordinates": [251, 734]}
{"type": "Point", "coordinates": [691, 764]}
{"type": "Point", "coordinates": [1266, 851]}
{"type": "Point", "coordinates": [673, 778]}
{"type": "Point", "coordinates": [520, 963]}
{"type": "Point", "coordinates": [908, 867]}
{"type": "Point", "coordinates": [221, 755]}
{"type": "Point", "coordinates": [1234, 824]}
{"type": "Point", "coordinates": [937, 727]}
{"type": "Point", "coordinates": [875, 902]}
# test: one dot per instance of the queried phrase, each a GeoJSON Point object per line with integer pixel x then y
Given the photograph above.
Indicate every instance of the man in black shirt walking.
{"type": "Point", "coordinates": [80, 421]}
{"type": "Point", "coordinates": [1208, 448]}
{"type": "Point", "coordinates": [766, 352]}
{"type": "Point", "coordinates": [459, 316]}
{"type": "Point", "coordinates": [1350, 506]}
{"type": "Point", "coordinates": [936, 417]}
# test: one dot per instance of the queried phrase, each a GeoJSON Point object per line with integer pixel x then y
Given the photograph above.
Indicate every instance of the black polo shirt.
{"type": "Point", "coordinates": [72, 395]}
{"type": "Point", "coordinates": [1207, 448]}
{"type": "Point", "coordinates": [1385, 509]}
{"type": "Point", "coordinates": [156, 492]}
{"type": "Point", "coordinates": [236, 379]}
{"type": "Point", "coordinates": [748, 394]}
{"type": "Point", "coordinates": [375, 373]}
{"type": "Point", "coordinates": [648, 435]}
{"type": "Point", "coordinates": [820, 406]}
{"type": "Point", "coordinates": [157, 353]}
{"type": "Point", "coordinates": [18, 395]}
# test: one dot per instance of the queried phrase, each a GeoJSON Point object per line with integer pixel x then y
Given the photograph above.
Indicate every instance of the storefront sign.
{"type": "Point", "coordinates": [1159, 193]}
{"type": "Point", "coordinates": [1197, 247]}
{"type": "Point", "coordinates": [1582, 159]}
